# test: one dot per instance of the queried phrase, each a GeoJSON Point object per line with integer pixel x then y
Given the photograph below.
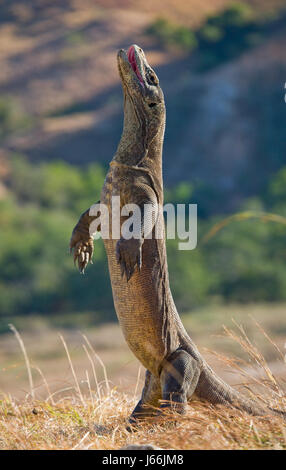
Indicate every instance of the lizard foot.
{"type": "Point", "coordinates": [82, 247]}
{"type": "Point", "coordinates": [128, 255]}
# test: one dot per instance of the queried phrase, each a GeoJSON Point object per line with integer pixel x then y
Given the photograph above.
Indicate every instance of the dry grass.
{"type": "Point", "coordinates": [102, 425]}
{"type": "Point", "coordinates": [93, 415]}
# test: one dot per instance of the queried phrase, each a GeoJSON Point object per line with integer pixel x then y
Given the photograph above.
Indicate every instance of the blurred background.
{"type": "Point", "coordinates": [222, 67]}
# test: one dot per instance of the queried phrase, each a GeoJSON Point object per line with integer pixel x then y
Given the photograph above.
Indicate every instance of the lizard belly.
{"type": "Point", "coordinates": [143, 309]}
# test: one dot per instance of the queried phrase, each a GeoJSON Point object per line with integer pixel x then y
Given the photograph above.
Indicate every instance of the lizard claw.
{"type": "Point", "coordinates": [128, 256]}
{"type": "Point", "coordinates": [82, 248]}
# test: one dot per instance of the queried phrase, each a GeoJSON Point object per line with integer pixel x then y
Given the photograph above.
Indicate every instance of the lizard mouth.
{"type": "Point", "coordinates": [132, 60]}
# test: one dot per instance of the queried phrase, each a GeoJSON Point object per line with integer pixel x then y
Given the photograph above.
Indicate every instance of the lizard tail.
{"type": "Point", "coordinates": [214, 390]}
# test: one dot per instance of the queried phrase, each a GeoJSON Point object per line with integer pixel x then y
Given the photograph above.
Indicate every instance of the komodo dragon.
{"type": "Point", "coordinates": [175, 370]}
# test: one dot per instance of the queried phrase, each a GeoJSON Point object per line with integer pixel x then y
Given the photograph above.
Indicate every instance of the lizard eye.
{"type": "Point", "coordinates": [151, 77]}
{"type": "Point", "coordinates": [151, 105]}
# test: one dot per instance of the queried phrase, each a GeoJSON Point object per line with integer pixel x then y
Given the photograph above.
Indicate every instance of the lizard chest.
{"type": "Point", "coordinates": [120, 182]}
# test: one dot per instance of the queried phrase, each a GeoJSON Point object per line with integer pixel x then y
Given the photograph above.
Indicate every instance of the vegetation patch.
{"type": "Point", "coordinates": [242, 262]}
{"type": "Point", "coordinates": [221, 37]}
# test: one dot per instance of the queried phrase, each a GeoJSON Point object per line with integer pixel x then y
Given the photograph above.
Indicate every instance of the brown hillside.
{"type": "Point", "coordinates": [58, 63]}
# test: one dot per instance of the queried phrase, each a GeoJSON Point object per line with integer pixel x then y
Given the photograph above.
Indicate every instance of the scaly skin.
{"type": "Point", "coordinates": [175, 370]}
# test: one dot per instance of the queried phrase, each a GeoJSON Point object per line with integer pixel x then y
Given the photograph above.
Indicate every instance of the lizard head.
{"type": "Point", "coordinates": [140, 83]}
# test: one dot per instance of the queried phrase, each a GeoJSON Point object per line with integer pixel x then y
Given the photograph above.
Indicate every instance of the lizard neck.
{"type": "Point", "coordinates": [141, 143]}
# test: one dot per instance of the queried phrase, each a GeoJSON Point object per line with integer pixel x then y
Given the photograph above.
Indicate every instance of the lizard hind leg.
{"type": "Point", "coordinates": [149, 404]}
{"type": "Point", "coordinates": [179, 378]}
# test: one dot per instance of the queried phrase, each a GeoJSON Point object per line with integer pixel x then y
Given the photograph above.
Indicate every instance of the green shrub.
{"type": "Point", "coordinates": [211, 33]}
{"type": "Point", "coordinates": [56, 184]}
{"type": "Point", "coordinates": [12, 117]}
{"type": "Point", "coordinates": [179, 194]}
{"type": "Point", "coordinates": [171, 35]}
{"type": "Point", "coordinates": [226, 35]}
{"type": "Point", "coordinates": [37, 274]}
{"type": "Point", "coordinates": [243, 262]}
{"type": "Point", "coordinates": [236, 15]}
